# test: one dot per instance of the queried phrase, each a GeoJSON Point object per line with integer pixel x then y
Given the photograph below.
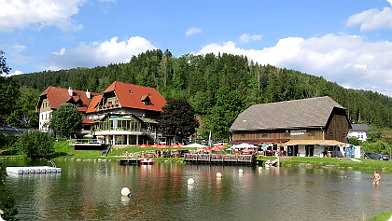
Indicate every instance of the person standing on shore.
{"type": "Point", "coordinates": [377, 178]}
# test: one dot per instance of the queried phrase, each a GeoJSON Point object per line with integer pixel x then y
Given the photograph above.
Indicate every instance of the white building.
{"type": "Point", "coordinates": [359, 131]}
{"type": "Point", "coordinates": [125, 114]}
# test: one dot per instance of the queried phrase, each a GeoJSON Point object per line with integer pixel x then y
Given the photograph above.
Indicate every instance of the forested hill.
{"type": "Point", "coordinates": [218, 87]}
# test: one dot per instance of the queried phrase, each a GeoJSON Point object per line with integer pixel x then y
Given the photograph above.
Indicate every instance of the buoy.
{"type": "Point", "coordinates": [125, 192]}
{"type": "Point", "coordinates": [218, 174]}
{"type": "Point", "coordinates": [240, 171]}
{"type": "Point", "coordinates": [191, 181]}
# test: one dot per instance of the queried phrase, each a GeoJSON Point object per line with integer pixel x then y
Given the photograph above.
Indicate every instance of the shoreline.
{"type": "Point", "coordinates": [300, 162]}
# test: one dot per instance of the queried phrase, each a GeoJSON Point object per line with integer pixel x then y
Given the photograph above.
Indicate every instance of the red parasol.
{"type": "Point", "coordinates": [220, 146]}
{"type": "Point", "coordinates": [215, 148]}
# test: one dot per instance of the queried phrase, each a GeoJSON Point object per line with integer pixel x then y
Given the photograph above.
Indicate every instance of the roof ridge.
{"type": "Point", "coordinates": [298, 100]}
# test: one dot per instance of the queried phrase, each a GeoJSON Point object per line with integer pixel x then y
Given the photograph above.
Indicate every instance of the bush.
{"type": "Point", "coordinates": [35, 144]}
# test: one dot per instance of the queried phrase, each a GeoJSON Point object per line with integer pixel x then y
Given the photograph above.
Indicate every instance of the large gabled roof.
{"type": "Point", "coordinates": [306, 113]}
{"type": "Point", "coordinates": [133, 96]}
{"type": "Point", "coordinates": [58, 96]}
{"type": "Point", "coordinates": [92, 107]}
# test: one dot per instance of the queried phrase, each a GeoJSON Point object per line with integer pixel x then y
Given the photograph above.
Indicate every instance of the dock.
{"type": "Point", "coordinates": [227, 159]}
{"type": "Point", "coordinates": [32, 170]}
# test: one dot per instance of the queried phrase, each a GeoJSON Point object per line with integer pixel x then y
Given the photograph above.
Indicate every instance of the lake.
{"type": "Point", "coordinates": [91, 191]}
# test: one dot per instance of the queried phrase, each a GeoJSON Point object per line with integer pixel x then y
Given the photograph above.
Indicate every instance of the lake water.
{"type": "Point", "coordinates": [91, 191]}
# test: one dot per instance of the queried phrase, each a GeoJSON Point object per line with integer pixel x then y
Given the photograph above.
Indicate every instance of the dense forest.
{"type": "Point", "coordinates": [218, 87]}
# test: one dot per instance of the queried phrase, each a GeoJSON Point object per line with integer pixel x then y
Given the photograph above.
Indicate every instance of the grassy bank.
{"type": "Point", "coordinates": [63, 150]}
{"type": "Point", "coordinates": [363, 164]}
{"type": "Point", "coordinates": [383, 216]}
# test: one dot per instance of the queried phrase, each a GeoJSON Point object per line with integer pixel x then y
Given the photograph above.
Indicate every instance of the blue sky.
{"type": "Point", "coordinates": [345, 41]}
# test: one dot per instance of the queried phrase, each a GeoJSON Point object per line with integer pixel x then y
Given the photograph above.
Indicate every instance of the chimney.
{"type": "Point", "coordinates": [70, 91]}
{"type": "Point", "coordinates": [88, 94]}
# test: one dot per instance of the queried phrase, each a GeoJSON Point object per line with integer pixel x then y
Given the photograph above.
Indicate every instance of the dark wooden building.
{"type": "Point", "coordinates": [303, 123]}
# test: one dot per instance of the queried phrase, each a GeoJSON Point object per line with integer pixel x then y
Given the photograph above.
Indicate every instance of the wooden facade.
{"type": "Point", "coordinates": [277, 123]}
{"type": "Point", "coordinates": [336, 129]}
{"type": "Point", "coordinates": [338, 126]}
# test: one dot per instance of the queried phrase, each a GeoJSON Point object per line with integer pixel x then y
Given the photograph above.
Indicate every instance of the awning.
{"type": "Point", "coordinates": [126, 117]}
{"type": "Point", "coordinates": [314, 142]}
{"type": "Point", "coordinates": [148, 120]}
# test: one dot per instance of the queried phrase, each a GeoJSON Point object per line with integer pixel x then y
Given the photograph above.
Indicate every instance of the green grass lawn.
{"type": "Point", "coordinates": [63, 150]}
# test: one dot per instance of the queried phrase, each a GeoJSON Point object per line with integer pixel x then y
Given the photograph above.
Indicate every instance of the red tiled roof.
{"type": "Point", "coordinates": [81, 109]}
{"type": "Point", "coordinates": [132, 96]}
{"type": "Point", "coordinates": [87, 121]}
{"type": "Point", "coordinates": [92, 107]}
{"type": "Point", "coordinates": [58, 96]}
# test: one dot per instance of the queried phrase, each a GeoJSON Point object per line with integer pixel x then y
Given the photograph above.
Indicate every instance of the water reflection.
{"type": "Point", "coordinates": [91, 191]}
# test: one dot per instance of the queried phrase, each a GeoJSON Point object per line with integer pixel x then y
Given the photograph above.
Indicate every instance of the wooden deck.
{"type": "Point", "coordinates": [220, 159]}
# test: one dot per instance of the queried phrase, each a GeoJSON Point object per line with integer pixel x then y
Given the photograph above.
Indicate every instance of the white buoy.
{"type": "Point", "coordinates": [191, 181]}
{"type": "Point", "coordinates": [125, 192]}
{"type": "Point", "coordinates": [240, 171]}
{"type": "Point", "coordinates": [218, 174]}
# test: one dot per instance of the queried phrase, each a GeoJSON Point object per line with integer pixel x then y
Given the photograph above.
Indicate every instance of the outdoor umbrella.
{"type": "Point", "coordinates": [215, 148]}
{"type": "Point", "coordinates": [163, 146]}
{"type": "Point", "coordinates": [220, 146]}
{"type": "Point", "coordinates": [244, 145]}
{"type": "Point", "coordinates": [246, 150]}
{"type": "Point", "coordinates": [230, 149]}
{"type": "Point", "coordinates": [265, 146]}
{"type": "Point", "coordinates": [175, 146]}
{"type": "Point", "coordinates": [195, 145]}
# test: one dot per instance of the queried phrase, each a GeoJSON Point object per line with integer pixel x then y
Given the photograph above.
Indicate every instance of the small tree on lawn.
{"type": "Point", "coordinates": [66, 120]}
{"type": "Point", "coordinates": [35, 144]}
{"type": "Point", "coordinates": [178, 119]}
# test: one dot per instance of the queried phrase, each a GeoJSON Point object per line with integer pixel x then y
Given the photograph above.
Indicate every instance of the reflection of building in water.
{"type": "Point", "coordinates": [308, 127]}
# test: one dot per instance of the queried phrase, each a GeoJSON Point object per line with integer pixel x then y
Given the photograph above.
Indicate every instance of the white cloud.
{"type": "Point", "coordinates": [98, 53]}
{"type": "Point", "coordinates": [17, 72]}
{"type": "Point", "coordinates": [349, 60]}
{"type": "Point", "coordinates": [246, 38]}
{"type": "Point", "coordinates": [192, 31]}
{"type": "Point", "coordinates": [19, 14]}
{"type": "Point", "coordinates": [372, 19]}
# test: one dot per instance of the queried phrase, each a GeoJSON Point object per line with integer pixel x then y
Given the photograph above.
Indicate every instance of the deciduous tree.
{"type": "Point", "coordinates": [35, 144]}
{"type": "Point", "coordinates": [178, 119]}
{"type": "Point", "coordinates": [66, 121]}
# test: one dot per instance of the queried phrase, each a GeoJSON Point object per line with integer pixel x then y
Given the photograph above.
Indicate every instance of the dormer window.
{"type": "Point", "coordinates": [130, 91]}
{"type": "Point", "coordinates": [146, 100]}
